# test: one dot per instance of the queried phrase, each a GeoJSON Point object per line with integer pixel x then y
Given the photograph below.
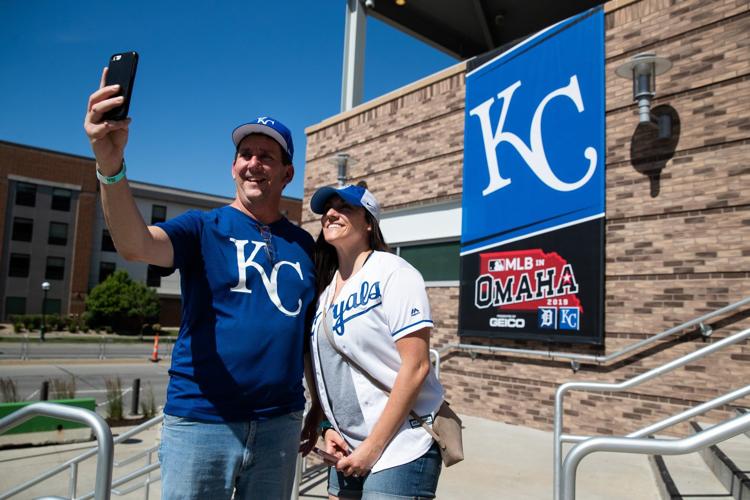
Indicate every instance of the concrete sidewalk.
{"type": "Point", "coordinates": [511, 462]}
{"type": "Point", "coordinates": [502, 461]}
{"type": "Point", "coordinates": [23, 464]}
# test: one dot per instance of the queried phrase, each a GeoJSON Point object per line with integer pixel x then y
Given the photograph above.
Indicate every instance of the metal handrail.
{"type": "Point", "coordinates": [105, 443]}
{"type": "Point", "coordinates": [127, 478]}
{"type": "Point", "coordinates": [72, 464]}
{"type": "Point", "coordinates": [674, 419]}
{"type": "Point", "coordinates": [436, 354]}
{"type": "Point", "coordinates": [700, 322]}
{"type": "Point", "coordinates": [602, 387]}
{"type": "Point", "coordinates": [721, 432]}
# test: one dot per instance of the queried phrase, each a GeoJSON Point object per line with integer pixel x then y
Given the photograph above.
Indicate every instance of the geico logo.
{"type": "Point", "coordinates": [508, 322]}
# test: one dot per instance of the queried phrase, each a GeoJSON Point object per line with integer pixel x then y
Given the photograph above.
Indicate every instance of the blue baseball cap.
{"type": "Point", "coordinates": [356, 196]}
{"type": "Point", "coordinates": [267, 126]}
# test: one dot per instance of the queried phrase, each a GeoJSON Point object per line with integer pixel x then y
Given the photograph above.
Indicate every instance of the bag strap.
{"type": "Point", "coordinates": [377, 383]}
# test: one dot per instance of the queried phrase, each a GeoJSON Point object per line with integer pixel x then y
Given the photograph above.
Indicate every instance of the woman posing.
{"type": "Point", "coordinates": [377, 314]}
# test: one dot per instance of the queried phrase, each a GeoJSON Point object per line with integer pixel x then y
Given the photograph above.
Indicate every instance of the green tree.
{"type": "Point", "coordinates": [121, 303]}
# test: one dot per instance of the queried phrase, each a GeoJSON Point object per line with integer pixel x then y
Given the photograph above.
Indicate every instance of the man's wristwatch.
{"type": "Point", "coordinates": [111, 179]}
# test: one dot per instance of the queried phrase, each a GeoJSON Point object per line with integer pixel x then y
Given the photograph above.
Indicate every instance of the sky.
{"type": "Point", "coordinates": [205, 68]}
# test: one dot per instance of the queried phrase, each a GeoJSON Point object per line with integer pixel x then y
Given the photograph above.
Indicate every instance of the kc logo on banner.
{"type": "Point", "coordinates": [533, 188]}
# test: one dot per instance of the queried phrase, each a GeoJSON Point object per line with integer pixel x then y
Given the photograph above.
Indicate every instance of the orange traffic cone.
{"type": "Point", "coordinates": [155, 354]}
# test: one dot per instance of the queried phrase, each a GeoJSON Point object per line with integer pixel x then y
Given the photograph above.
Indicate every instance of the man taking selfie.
{"type": "Point", "coordinates": [234, 404]}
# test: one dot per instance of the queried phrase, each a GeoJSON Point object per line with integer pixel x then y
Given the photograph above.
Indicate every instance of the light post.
{"type": "Point", "coordinates": [45, 288]}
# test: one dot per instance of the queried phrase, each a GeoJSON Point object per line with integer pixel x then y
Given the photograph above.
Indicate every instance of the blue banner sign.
{"type": "Point", "coordinates": [533, 189]}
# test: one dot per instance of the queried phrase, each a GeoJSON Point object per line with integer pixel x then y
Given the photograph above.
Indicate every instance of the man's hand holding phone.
{"type": "Point", "coordinates": [109, 137]}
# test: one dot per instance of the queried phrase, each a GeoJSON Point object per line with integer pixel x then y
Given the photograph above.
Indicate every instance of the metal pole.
{"type": "Point", "coordinates": [73, 485]}
{"type": "Point", "coordinates": [147, 485]}
{"type": "Point", "coordinates": [354, 55]}
{"type": "Point", "coordinates": [297, 477]}
{"type": "Point", "coordinates": [557, 453]}
{"type": "Point", "coordinates": [101, 429]}
{"type": "Point", "coordinates": [436, 353]}
{"type": "Point", "coordinates": [135, 397]}
{"type": "Point", "coordinates": [44, 316]}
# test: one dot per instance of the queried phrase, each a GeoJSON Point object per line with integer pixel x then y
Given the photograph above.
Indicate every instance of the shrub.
{"type": "Point", "coordinates": [18, 327]}
{"type": "Point", "coordinates": [54, 322]}
{"type": "Point", "coordinates": [148, 401]}
{"type": "Point", "coordinates": [114, 398]}
{"type": "Point", "coordinates": [63, 388]}
{"type": "Point", "coordinates": [8, 390]}
{"type": "Point", "coordinates": [122, 303]}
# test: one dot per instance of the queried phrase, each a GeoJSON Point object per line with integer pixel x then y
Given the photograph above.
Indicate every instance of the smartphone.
{"type": "Point", "coordinates": [331, 459]}
{"type": "Point", "coordinates": [121, 71]}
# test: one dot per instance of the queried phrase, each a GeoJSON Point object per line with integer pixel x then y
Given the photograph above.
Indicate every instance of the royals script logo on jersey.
{"type": "Point", "coordinates": [363, 301]}
{"type": "Point", "coordinates": [270, 283]}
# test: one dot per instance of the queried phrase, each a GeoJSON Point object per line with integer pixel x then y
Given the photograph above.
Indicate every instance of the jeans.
{"type": "Point", "coordinates": [415, 480]}
{"type": "Point", "coordinates": [215, 460]}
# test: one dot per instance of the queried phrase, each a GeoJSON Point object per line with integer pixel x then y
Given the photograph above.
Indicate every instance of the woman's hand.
{"type": "Point", "coordinates": [359, 463]}
{"type": "Point", "coordinates": [335, 444]}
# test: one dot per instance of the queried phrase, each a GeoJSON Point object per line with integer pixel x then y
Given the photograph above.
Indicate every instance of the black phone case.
{"type": "Point", "coordinates": [121, 71]}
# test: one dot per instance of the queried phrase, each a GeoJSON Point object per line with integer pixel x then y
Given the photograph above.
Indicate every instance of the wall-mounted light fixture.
{"type": "Point", "coordinates": [643, 69]}
{"type": "Point", "coordinates": [341, 160]}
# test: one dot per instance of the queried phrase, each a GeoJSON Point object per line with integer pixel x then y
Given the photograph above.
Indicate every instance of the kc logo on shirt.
{"type": "Point", "coordinates": [270, 283]}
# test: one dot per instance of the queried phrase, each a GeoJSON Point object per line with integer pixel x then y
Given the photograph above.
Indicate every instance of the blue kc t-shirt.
{"type": "Point", "coordinates": [246, 292]}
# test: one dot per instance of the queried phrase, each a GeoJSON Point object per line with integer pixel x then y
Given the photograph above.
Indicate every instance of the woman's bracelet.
{"type": "Point", "coordinates": [324, 426]}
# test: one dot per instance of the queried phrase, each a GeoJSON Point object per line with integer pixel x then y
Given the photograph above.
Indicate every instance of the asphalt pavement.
{"type": "Point", "coordinates": [95, 348]}
{"type": "Point", "coordinates": [90, 377]}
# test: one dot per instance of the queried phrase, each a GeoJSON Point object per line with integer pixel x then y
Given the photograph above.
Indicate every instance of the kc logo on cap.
{"type": "Point", "coordinates": [271, 127]}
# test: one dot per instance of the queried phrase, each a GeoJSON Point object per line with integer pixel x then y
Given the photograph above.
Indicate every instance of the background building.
{"type": "Point", "coordinates": [52, 229]}
{"type": "Point", "coordinates": [677, 239]}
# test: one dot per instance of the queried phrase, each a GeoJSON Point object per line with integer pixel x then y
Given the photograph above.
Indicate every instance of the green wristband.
{"type": "Point", "coordinates": [111, 179]}
{"type": "Point", "coordinates": [324, 426]}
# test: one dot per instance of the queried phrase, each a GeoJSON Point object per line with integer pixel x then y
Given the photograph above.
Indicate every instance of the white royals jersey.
{"type": "Point", "coordinates": [381, 303]}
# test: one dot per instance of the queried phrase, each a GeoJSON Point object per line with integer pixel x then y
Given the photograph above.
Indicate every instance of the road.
{"type": "Point", "coordinates": [90, 378]}
{"type": "Point", "coordinates": [37, 350]}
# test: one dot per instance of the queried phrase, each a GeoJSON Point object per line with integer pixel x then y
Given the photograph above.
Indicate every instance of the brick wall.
{"type": "Point", "coordinates": [677, 233]}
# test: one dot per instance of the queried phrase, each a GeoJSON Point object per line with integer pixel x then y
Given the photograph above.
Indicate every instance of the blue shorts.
{"type": "Point", "coordinates": [239, 460]}
{"type": "Point", "coordinates": [414, 480]}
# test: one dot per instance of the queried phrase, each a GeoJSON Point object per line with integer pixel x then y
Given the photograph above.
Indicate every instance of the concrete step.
{"type": "Point", "coordinates": [687, 476]}
{"type": "Point", "coordinates": [729, 461]}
